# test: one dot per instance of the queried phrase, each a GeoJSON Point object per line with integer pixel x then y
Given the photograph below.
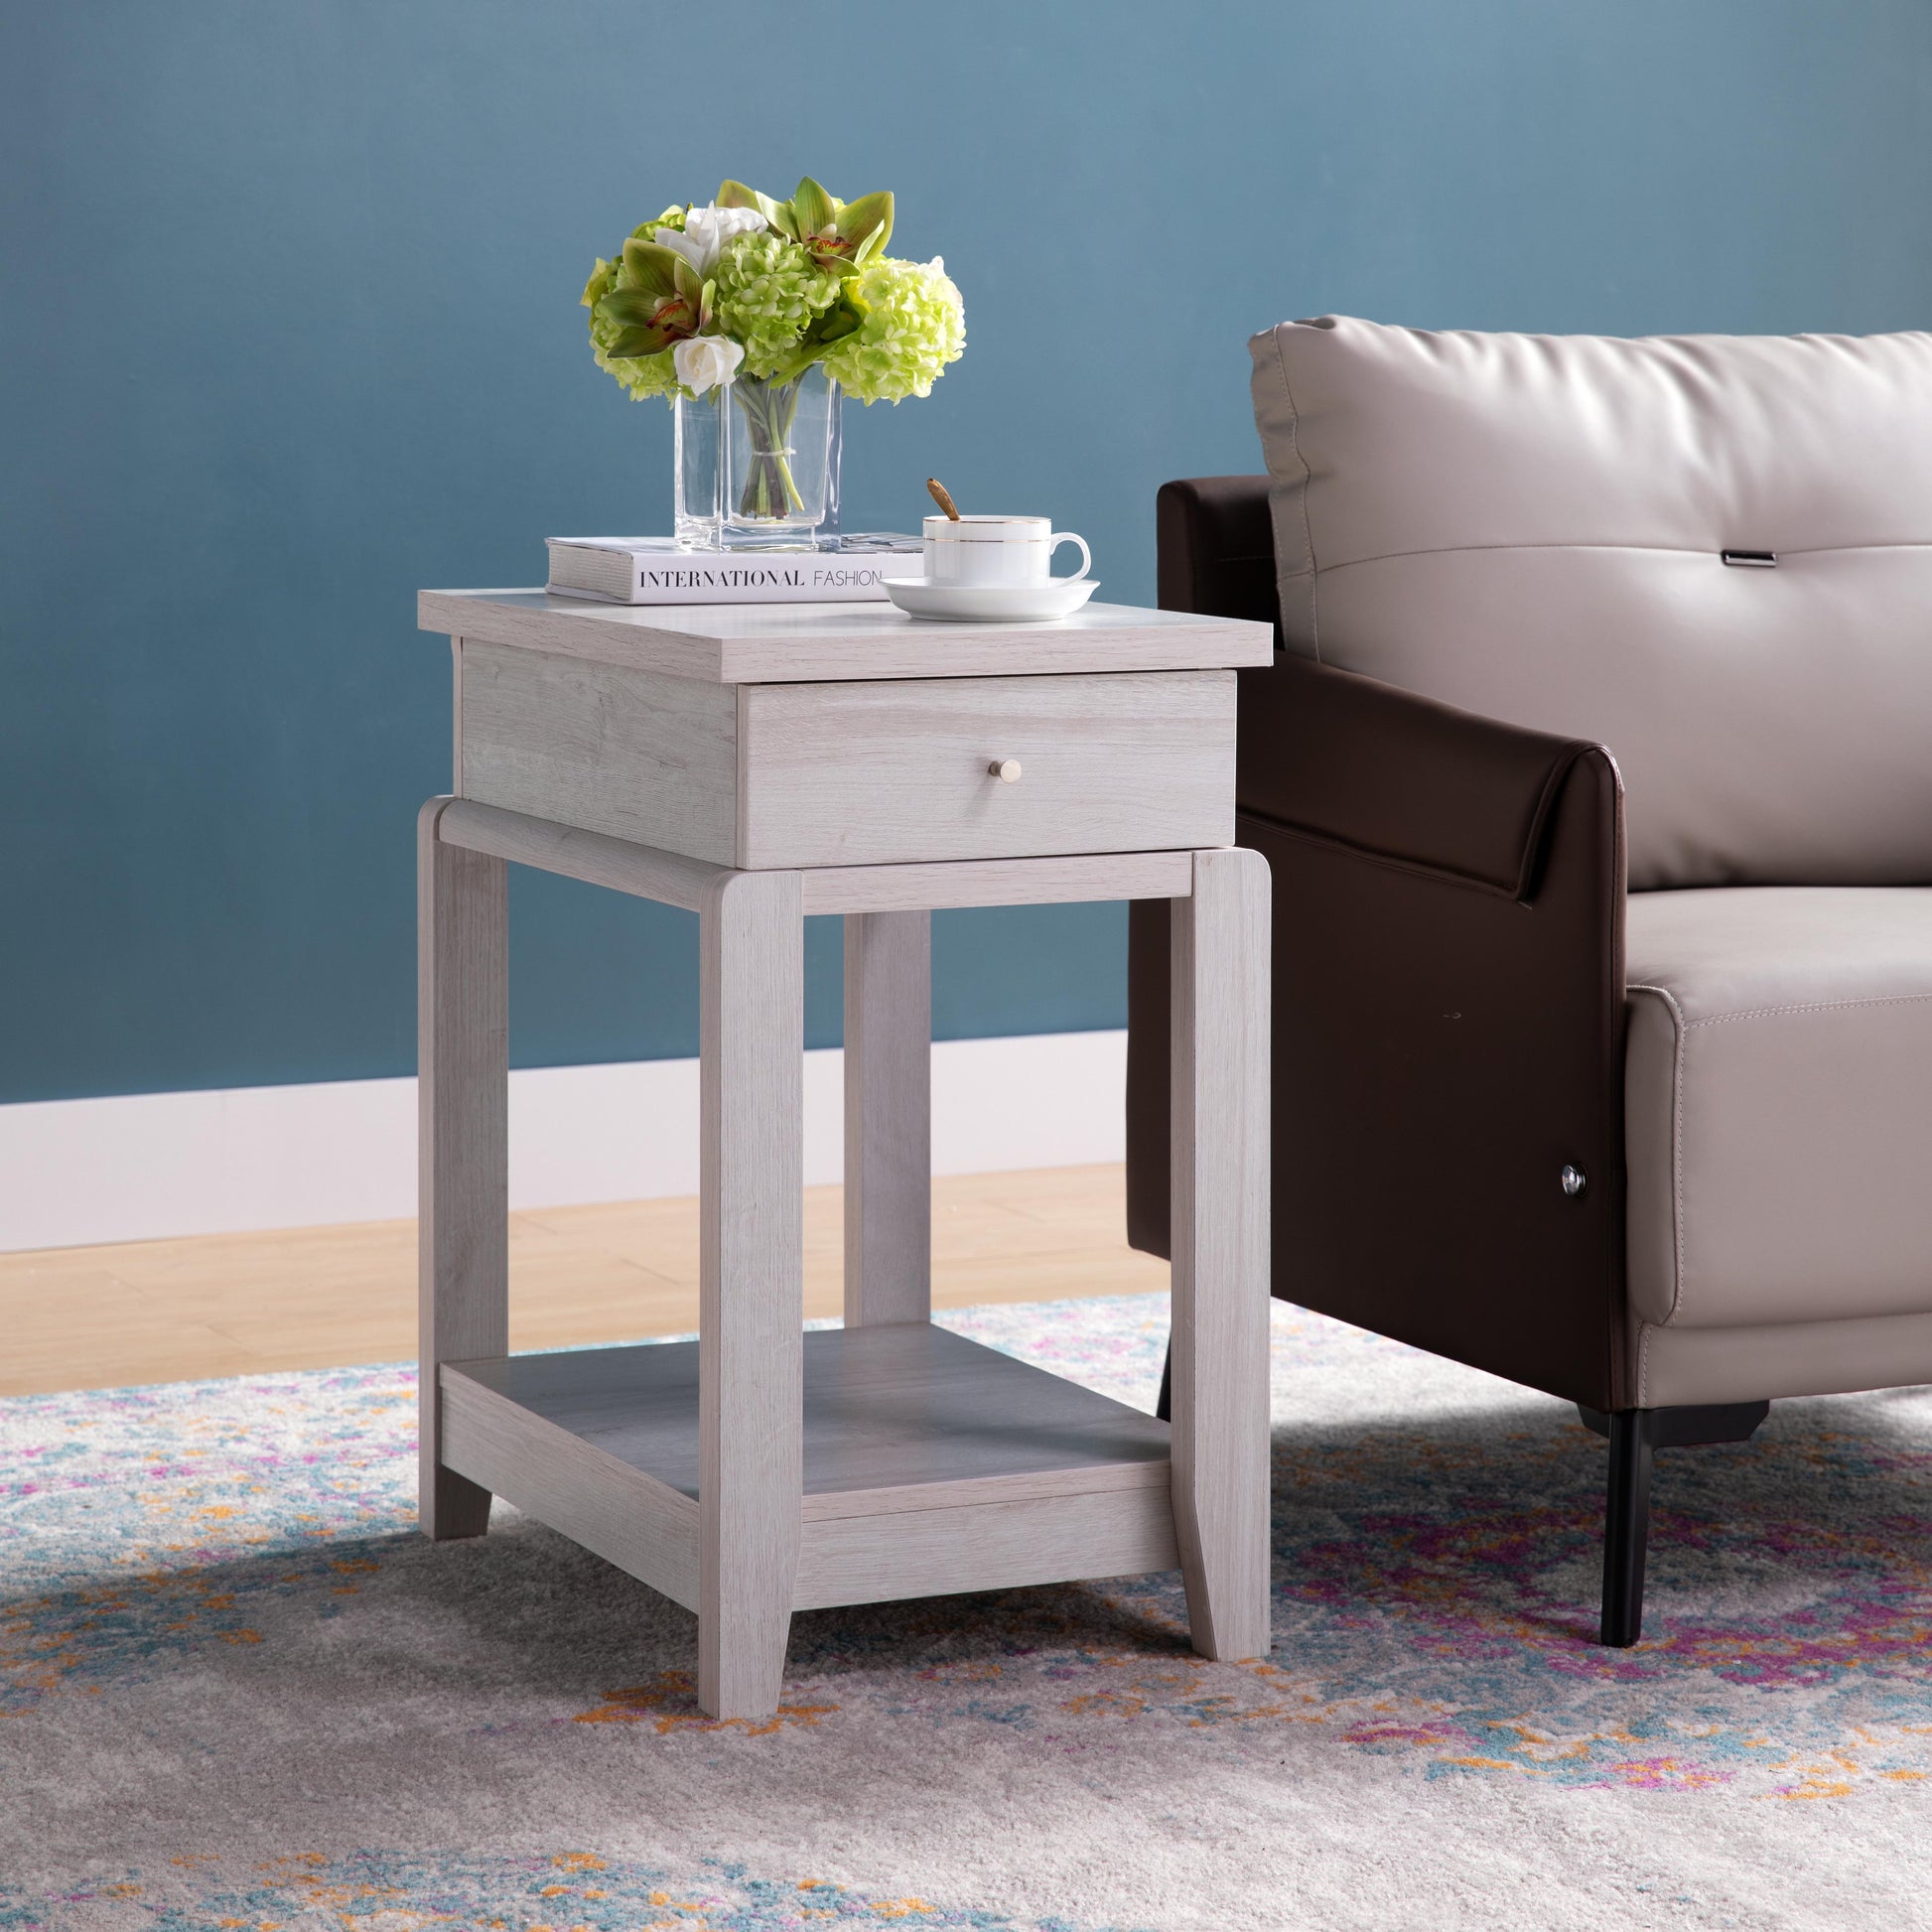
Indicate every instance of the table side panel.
{"type": "Point", "coordinates": [634, 755]}
{"type": "Point", "coordinates": [671, 879]}
{"type": "Point", "coordinates": [595, 858]}
{"type": "Point", "coordinates": [994, 1546]}
{"type": "Point", "coordinates": [615, 1509]}
{"type": "Point", "coordinates": [1057, 880]}
{"type": "Point", "coordinates": [1083, 1480]}
{"type": "Point", "coordinates": [884, 772]}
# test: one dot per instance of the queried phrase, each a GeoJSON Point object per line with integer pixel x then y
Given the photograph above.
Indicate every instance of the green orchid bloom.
{"type": "Point", "coordinates": [658, 300]}
{"type": "Point", "coordinates": [839, 236]}
{"type": "Point", "coordinates": [734, 194]}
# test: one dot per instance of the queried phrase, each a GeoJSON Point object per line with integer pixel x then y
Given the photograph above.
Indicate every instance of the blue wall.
{"type": "Point", "coordinates": [288, 322]}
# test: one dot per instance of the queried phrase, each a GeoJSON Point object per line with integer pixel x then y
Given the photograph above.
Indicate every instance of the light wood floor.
{"type": "Point", "coordinates": [326, 1298]}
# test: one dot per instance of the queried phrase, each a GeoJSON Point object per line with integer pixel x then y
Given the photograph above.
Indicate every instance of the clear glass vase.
{"type": "Point", "coordinates": [757, 466]}
{"type": "Point", "coordinates": [697, 483]}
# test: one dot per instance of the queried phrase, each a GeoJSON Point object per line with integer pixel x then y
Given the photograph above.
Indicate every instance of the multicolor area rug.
{"type": "Point", "coordinates": [237, 1691]}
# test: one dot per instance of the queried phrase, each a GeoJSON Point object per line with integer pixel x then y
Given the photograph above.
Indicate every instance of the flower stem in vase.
{"type": "Point", "coordinates": [769, 489]}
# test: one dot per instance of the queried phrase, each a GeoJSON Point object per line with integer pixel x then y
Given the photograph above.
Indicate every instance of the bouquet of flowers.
{"type": "Point", "coordinates": [751, 293]}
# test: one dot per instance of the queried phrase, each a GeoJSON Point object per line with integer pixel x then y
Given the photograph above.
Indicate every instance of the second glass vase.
{"type": "Point", "coordinates": [757, 466]}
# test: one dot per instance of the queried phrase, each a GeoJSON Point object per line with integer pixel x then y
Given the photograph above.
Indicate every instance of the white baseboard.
{"type": "Point", "coordinates": [141, 1167]}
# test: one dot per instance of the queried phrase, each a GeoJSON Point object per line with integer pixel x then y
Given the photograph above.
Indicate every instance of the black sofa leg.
{"type": "Point", "coordinates": [1626, 1526]}
{"type": "Point", "coordinates": [1634, 1435]}
{"type": "Point", "coordinates": [1164, 1407]}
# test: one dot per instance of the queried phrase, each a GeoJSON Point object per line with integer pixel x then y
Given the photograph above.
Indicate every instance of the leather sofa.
{"type": "Point", "coordinates": [1594, 773]}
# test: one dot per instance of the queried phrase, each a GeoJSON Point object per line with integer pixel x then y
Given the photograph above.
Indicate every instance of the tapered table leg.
{"type": "Point", "coordinates": [1219, 1362]}
{"type": "Point", "coordinates": [750, 1401]}
{"type": "Point", "coordinates": [887, 1118]}
{"type": "Point", "coordinates": [462, 1144]}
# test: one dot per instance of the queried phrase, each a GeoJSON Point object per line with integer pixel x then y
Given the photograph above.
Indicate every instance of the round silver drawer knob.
{"type": "Point", "coordinates": [1575, 1181]}
{"type": "Point", "coordinates": [1007, 770]}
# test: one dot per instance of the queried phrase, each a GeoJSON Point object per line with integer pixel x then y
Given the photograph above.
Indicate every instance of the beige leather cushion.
{"type": "Point", "coordinates": [1528, 526]}
{"type": "Point", "coordinates": [1692, 1366]}
{"type": "Point", "coordinates": [1778, 1105]}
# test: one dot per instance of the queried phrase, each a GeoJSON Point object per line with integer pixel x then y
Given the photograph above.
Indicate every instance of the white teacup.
{"type": "Point", "coordinates": [997, 550]}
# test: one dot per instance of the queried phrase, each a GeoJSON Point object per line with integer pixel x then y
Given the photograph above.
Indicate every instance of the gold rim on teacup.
{"type": "Point", "coordinates": [992, 551]}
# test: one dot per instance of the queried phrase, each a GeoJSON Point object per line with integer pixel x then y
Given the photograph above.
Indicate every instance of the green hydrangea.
{"type": "Point", "coordinates": [770, 291]}
{"type": "Point", "coordinates": [915, 326]}
{"type": "Point", "coordinates": [641, 376]}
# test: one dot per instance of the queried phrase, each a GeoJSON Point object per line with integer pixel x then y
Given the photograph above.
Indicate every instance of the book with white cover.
{"type": "Point", "coordinates": [653, 570]}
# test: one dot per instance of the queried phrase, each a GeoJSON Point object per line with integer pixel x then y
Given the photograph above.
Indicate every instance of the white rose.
{"type": "Point", "coordinates": [706, 230]}
{"type": "Point", "coordinates": [703, 362]}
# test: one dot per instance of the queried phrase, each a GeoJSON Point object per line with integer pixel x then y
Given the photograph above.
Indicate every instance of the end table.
{"type": "Point", "coordinates": [754, 765]}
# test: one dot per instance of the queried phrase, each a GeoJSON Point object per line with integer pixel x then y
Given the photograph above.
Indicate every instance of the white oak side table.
{"type": "Point", "coordinates": [755, 765]}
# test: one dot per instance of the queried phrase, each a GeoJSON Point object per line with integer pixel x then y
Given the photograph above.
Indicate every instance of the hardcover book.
{"type": "Point", "coordinates": [653, 570]}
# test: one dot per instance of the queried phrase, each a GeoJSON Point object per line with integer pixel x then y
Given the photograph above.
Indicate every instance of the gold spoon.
{"type": "Point", "coordinates": [939, 497]}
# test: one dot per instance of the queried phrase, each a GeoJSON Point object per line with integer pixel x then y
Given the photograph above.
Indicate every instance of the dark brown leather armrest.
{"type": "Point", "coordinates": [1448, 982]}
{"type": "Point", "coordinates": [1398, 778]}
{"type": "Point", "coordinates": [1215, 541]}
{"type": "Point", "coordinates": [1322, 751]}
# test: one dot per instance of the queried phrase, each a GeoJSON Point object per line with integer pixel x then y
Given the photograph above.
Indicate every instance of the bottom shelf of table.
{"type": "Point", "coordinates": [931, 1463]}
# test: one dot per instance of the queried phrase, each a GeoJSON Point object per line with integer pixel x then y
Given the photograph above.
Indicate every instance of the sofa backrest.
{"type": "Point", "coordinates": [1534, 527]}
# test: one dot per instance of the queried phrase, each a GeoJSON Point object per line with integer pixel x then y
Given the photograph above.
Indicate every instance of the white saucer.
{"type": "Point", "coordinates": [990, 603]}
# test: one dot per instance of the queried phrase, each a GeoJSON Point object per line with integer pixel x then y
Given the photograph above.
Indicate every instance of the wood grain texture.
{"type": "Point", "coordinates": [913, 1405]}
{"type": "Point", "coordinates": [198, 1306]}
{"type": "Point", "coordinates": [623, 1514]}
{"type": "Point", "coordinates": [984, 1546]}
{"type": "Point", "coordinates": [1220, 1270]}
{"type": "Point", "coordinates": [852, 774]}
{"type": "Point", "coordinates": [897, 1417]}
{"type": "Point", "coordinates": [887, 1118]}
{"type": "Point", "coordinates": [882, 774]}
{"type": "Point", "coordinates": [673, 880]}
{"type": "Point", "coordinates": [1099, 1478]}
{"type": "Point", "coordinates": [634, 753]}
{"type": "Point", "coordinates": [463, 1142]}
{"type": "Point", "coordinates": [593, 856]}
{"type": "Point", "coordinates": [751, 1175]}
{"type": "Point", "coordinates": [1000, 881]}
{"type": "Point", "coordinates": [775, 644]}
{"type": "Point", "coordinates": [930, 1464]}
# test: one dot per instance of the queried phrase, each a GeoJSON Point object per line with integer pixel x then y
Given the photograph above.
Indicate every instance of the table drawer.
{"type": "Point", "coordinates": [874, 773]}
{"type": "Point", "coordinates": [878, 773]}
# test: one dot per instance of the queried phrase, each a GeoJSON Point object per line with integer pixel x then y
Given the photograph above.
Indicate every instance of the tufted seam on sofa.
{"type": "Point", "coordinates": [1647, 550]}
{"type": "Point", "coordinates": [1810, 1005]}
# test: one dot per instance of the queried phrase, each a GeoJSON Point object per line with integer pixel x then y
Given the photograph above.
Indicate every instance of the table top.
{"type": "Point", "coordinates": [786, 644]}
